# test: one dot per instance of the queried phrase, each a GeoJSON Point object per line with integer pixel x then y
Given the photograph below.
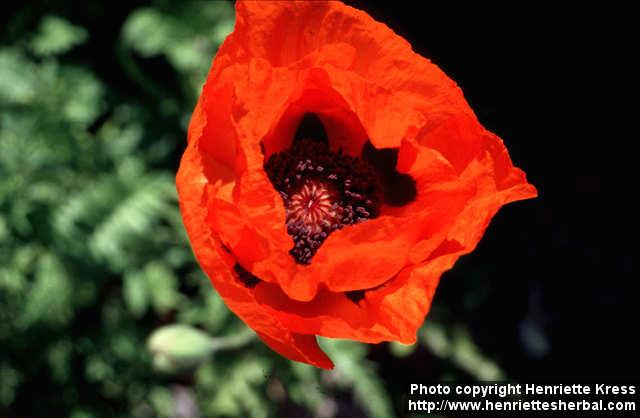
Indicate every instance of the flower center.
{"type": "Point", "coordinates": [313, 206]}
{"type": "Point", "coordinates": [322, 191]}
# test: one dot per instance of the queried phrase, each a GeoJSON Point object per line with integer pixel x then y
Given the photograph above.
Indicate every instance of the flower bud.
{"type": "Point", "coordinates": [178, 347]}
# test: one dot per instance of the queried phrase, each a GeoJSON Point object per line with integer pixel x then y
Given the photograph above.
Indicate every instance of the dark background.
{"type": "Point", "coordinates": [554, 83]}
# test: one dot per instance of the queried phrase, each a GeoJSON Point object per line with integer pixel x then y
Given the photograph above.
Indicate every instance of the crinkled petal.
{"type": "Point", "coordinates": [391, 312]}
{"type": "Point", "coordinates": [191, 184]}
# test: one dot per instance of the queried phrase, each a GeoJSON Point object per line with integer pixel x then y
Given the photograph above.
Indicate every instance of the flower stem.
{"type": "Point", "coordinates": [236, 340]}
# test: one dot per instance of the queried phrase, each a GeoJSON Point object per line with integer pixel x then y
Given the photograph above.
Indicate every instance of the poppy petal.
{"type": "Point", "coordinates": [218, 265]}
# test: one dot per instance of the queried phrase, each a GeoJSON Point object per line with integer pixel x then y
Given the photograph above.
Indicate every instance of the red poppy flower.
{"type": "Point", "coordinates": [332, 175]}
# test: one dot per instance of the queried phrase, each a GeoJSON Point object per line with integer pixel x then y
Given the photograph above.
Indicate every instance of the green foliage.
{"type": "Point", "coordinates": [459, 349]}
{"type": "Point", "coordinates": [354, 370]}
{"type": "Point", "coordinates": [182, 34]}
{"type": "Point", "coordinates": [93, 255]}
{"type": "Point", "coordinates": [55, 36]}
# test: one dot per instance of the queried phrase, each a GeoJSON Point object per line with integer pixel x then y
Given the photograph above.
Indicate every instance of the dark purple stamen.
{"type": "Point", "coordinates": [323, 191]}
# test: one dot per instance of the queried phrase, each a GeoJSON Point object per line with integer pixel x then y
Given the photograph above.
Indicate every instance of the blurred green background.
{"type": "Point", "coordinates": [103, 310]}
